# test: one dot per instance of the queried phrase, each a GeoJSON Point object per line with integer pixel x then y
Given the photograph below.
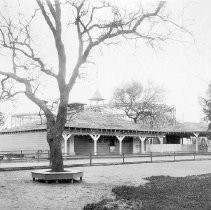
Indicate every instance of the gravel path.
{"type": "Point", "coordinates": [17, 191]}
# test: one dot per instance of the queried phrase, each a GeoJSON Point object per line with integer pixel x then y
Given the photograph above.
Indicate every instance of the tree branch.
{"type": "Point", "coordinates": [57, 32]}
{"type": "Point", "coordinates": [29, 93]}
{"type": "Point", "coordinates": [45, 15]}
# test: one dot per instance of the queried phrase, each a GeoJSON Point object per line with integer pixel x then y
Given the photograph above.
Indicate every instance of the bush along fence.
{"type": "Point", "coordinates": [102, 159]}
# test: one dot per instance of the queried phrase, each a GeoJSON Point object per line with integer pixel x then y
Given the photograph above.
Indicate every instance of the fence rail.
{"type": "Point", "coordinates": [25, 155]}
{"type": "Point", "coordinates": [91, 159]}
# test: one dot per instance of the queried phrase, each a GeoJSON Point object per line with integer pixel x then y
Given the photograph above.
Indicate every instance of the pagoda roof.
{"type": "Point", "coordinates": [97, 96]}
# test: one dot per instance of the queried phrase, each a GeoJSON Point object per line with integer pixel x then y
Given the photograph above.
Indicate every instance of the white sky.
{"type": "Point", "coordinates": [183, 70]}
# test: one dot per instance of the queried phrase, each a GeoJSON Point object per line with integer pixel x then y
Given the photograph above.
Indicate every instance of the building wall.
{"type": "Point", "coordinates": [170, 148]}
{"type": "Point", "coordinates": [127, 145]}
{"type": "Point", "coordinates": [152, 140]}
{"type": "Point", "coordinates": [23, 141]}
{"type": "Point", "coordinates": [85, 145]}
{"type": "Point", "coordinates": [136, 145]}
{"type": "Point", "coordinates": [172, 139]}
{"type": "Point", "coordinates": [70, 146]}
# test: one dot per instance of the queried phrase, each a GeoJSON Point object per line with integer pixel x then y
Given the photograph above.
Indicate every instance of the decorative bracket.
{"type": "Point", "coordinates": [95, 137]}
{"type": "Point", "coordinates": [142, 138]}
{"type": "Point", "coordinates": [120, 138]}
{"type": "Point", "coordinates": [66, 136]}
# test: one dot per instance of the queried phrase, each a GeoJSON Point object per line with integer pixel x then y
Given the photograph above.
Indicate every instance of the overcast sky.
{"type": "Point", "coordinates": [182, 69]}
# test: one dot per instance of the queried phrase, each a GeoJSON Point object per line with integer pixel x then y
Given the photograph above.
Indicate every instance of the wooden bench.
{"type": "Point", "coordinates": [46, 175]}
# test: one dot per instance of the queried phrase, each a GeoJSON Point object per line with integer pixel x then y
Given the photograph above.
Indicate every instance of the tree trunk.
{"type": "Point", "coordinates": [55, 128]}
{"type": "Point", "coordinates": [56, 158]}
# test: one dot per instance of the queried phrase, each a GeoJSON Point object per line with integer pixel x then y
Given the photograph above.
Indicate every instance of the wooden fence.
{"type": "Point", "coordinates": [90, 159]}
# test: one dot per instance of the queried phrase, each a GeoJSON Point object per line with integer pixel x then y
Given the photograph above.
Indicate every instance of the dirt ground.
{"type": "Point", "coordinates": [17, 191]}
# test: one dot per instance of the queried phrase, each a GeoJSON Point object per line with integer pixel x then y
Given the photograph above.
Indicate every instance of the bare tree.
{"type": "Point", "coordinates": [92, 30]}
{"type": "Point", "coordinates": [2, 119]}
{"type": "Point", "coordinates": [161, 115]}
{"type": "Point", "coordinates": [206, 104]}
{"type": "Point", "coordinates": [139, 103]}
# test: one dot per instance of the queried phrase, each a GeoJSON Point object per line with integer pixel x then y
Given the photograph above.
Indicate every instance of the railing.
{"type": "Point", "coordinates": [90, 159]}
{"type": "Point", "coordinates": [25, 155]}
{"type": "Point", "coordinates": [139, 158]}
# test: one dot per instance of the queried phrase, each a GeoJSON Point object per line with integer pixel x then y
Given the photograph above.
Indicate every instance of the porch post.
{"type": "Point", "coordinates": [120, 138]}
{"type": "Point", "coordinates": [66, 136]}
{"type": "Point", "coordinates": [65, 146]}
{"type": "Point", "coordinates": [191, 140]}
{"type": "Point", "coordinates": [95, 137]}
{"type": "Point", "coordinates": [197, 141]}
{"type": "Point", "coordinates": [142, 143]}
{"type": "Point", "coordinates": [71, 146]}
{"type": "Point", "coordinates": [161, 139]}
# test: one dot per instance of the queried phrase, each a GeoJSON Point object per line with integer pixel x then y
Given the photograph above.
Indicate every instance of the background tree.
{"type": "Point", "coordinates": [162, 116]}
{"type": "Point", "coordinates": [2, 119]}
{"type": "Point", "coordinates": [206, 104]}
{"type": "Point", "coordinates": [144, 105]}
{"type": "Point", "coordinates": [6, 94]}
{"type": "Point", "coordinates": [206, 107]}
{"type": "Point", "coordinates": [86, 26]}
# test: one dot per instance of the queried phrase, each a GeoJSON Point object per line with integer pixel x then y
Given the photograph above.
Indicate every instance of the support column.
{"type": "Point", "coordinates": [120, 138]}
{"type": "Point", "coordinates": [70, 145]}
{"type": "Point", "coordinates": [191, 139]}
{"type": "Point", "coordinates": [95, 137]}
{"type": "Point", "coordinates": [197, 141]}
{"type": "Point", "coordinates": [161, 139]}
{"type": "Point", "coordinates": [142, 144]}
{"type": "Point", "coordinates": [66, 136]}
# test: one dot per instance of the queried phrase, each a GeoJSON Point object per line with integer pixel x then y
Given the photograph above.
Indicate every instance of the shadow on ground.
{"type": "Point", "coordinates": [161, 192]}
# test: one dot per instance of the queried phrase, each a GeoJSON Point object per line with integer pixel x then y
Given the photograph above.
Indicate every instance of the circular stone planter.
{"type": "Point", "coordinates": [47, 175]}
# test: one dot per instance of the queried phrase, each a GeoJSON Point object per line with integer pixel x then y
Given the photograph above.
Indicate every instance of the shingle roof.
{"type": "Point", "coordinates": [188, 127]}
{"type": "Point", "coordinates": [97, 120]}
{"type": "Point", "coordinates": [26, 127]}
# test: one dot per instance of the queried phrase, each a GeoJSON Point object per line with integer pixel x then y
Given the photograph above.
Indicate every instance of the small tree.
{"type": "Point", "coordinates": [2, 119]}
{"type": "Point", "coordinates": [206, 104]}
{"type": "Point", "coordinates": [91, 30]}
{"type": "Point", "coordinates": [141, 104]}
{"type": "Point", "coordinates": [206, 107]}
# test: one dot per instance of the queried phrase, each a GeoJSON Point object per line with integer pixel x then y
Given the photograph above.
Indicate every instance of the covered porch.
{"type": "Point", "coordinates": [182, 142]}
{"type": "Point", "coordinates": [85, 141]}
{"type": "Point", "coordinates": [83, 144]}
{"type": "Point", "coordinates": [105, 142]}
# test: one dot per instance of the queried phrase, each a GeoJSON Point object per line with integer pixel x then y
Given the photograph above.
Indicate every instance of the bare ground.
{"type": "Point", "coordinates": [17, 191]}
